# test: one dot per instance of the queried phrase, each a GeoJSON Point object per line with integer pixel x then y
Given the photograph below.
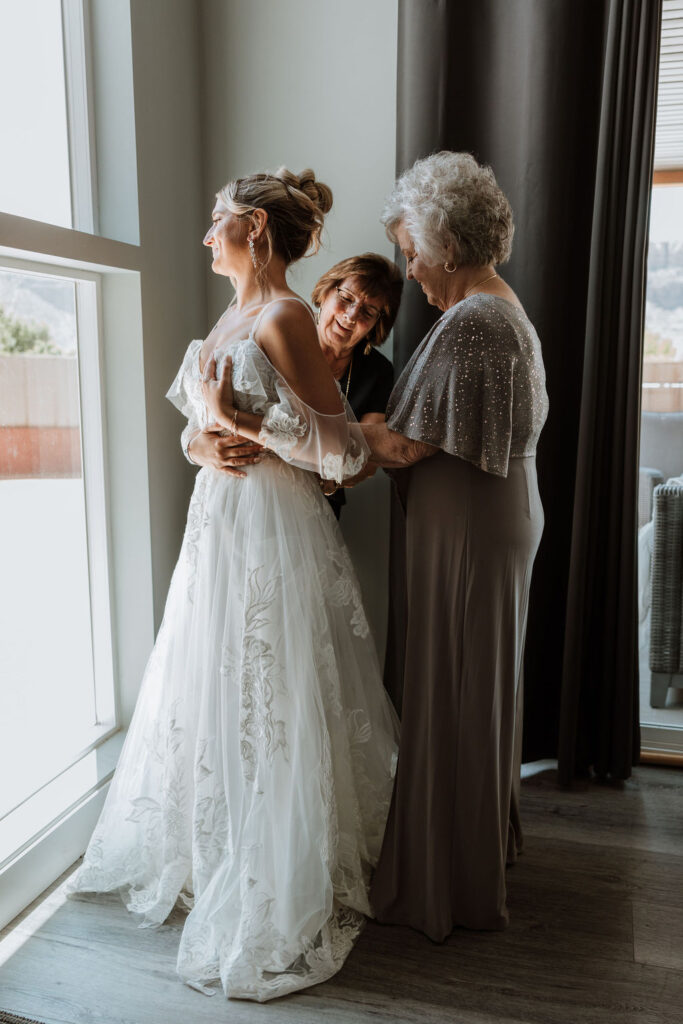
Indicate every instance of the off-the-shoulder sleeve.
{"type": "Point", "coordinates": [332, 446]}
{"type": "Point", "coordinates": [179, 392]}
{"type": "Point", "coordinates": [457, 391]}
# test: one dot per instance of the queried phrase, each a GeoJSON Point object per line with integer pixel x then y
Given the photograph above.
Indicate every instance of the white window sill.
{"type": "Point", "coordinates": [50, 830]}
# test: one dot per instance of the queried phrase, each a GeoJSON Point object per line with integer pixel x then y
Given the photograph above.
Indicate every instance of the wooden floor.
{"type": "Point", "coordinates": [596, 937]}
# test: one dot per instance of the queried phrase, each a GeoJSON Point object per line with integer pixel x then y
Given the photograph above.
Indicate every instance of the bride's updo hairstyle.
{"type": "Point", "coordinates": [296, 205]}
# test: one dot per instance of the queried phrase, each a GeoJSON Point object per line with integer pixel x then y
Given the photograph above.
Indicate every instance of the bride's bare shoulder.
{"type": "Point", "coordinates": [288, 335]}
{"type": "Point", "coordinates": [286, 323]}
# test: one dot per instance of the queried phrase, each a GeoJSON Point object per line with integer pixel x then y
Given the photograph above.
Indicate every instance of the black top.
{"type": "Point", "coordinates": [372, 380]}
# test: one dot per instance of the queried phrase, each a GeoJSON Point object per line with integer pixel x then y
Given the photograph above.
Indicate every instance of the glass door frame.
{"type": "Point", "coordinates": [661, 744]}
{"type": "Point", "coordinates": [25, 820]}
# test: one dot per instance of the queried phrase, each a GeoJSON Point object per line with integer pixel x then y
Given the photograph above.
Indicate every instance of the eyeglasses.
{"type": "Point", "coordinates": [347, 301]}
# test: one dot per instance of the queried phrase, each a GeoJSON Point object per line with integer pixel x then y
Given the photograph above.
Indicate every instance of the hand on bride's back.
{"type": "Point", "coordinates": [225, 454]}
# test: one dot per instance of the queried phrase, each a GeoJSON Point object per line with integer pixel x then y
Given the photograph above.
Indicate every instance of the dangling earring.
{"type": "Point", "coordinates": [450, 268]}
{"type": "Point", "coordinates": [368, 349]}
{"type": "Point", "coordinates": [252, 252]}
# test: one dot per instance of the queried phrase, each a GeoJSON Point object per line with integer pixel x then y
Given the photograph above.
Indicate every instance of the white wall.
{"type": "Point", "coordinates": [311, 83]}
{"type": "Point", "coordinates": [166, 75]}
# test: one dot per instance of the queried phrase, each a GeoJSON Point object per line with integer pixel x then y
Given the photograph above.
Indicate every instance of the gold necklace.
{"type": "Point", "coordinates": [348, 379]}
{"type": "Point", "coordinates": [477, 283]}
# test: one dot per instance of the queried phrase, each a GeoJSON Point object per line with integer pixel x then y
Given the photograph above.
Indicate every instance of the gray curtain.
{"type": "Point", "coordinates": [523, 85]}
{"type": "Point", "coordinates": [599, 717]}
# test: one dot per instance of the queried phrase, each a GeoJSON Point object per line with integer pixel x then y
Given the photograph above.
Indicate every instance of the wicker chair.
{"type": "Point", "coordinates": [666, 627]}
{"type": "Point", "coordinates": [648, 480]}
{"type": "Point", "coordinates": [661, 455]}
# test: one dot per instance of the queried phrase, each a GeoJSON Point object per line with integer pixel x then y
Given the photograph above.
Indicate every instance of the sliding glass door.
{"type": "Point", "coordinates": [56, 691]}
{"type": "Point", "coordinates": [660, 499]}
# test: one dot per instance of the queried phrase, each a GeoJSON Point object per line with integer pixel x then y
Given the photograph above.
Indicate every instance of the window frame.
{"type": "Point", "coordinates": [80, 121]}
{"type": "Point", "coordinates": [53, 826]}
{"type": "Point", "coordinates": [660, 742]}
{"type": "Point", "coordinates": [92, 418]}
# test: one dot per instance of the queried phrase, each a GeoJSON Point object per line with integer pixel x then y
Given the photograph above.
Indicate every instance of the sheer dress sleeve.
{"type": "Point", "coordinates": [330, 445]}
{"type": "Point", "coordinates": [183, 394]}
{"type": "Point", "coordinates": [185, 391]}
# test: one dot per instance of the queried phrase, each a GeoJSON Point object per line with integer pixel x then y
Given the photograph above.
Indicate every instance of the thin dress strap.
{"type": "Point", "coordinates": [284, 298]}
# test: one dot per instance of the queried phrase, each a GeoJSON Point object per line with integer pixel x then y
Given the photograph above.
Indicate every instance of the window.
{"type": "Point", "coordinates": [663, 349]}
{"type": "Point", "coordinates": [55, 647]}
{"type": "Point", "coordinates": [660, 512]}
{"type": "Point", "coordinates": [74, 499]}
{"type": "Point", "coordinates": [34, 173]}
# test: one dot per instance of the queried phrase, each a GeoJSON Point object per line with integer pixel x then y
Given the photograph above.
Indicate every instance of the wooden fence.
{"type": "Point", "coordinates": [39, 417]}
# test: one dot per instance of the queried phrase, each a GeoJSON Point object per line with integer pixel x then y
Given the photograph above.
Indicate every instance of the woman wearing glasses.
{"type": "Point", "coordinates": [358, 299]}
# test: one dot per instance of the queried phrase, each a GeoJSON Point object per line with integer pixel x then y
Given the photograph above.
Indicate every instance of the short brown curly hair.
{"type": "Point", "coordinates": [380, 277]}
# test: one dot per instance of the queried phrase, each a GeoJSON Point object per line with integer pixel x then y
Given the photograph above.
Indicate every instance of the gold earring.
{"type": "Point", "coordinates": [450, 268]}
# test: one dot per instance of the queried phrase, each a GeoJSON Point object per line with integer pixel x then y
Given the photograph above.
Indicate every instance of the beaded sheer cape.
{"type": "Point", "coordinates": [475, 386]}
{"type": "Point", "coordinates": [255, 781]}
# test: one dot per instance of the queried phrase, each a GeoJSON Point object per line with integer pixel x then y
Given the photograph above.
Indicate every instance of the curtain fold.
{"type": "Point", "coordinates": [599, 718]}
{"type": "Point", "coordinates": [558, 96]}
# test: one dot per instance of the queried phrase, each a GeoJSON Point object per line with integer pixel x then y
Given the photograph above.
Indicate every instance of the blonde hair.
{"type": "Point", "coordinates": [296, 205]}
{"type": "Point", "coordinates": [448, 199]}
{"type": "Point", "coordinates": [380, 277]}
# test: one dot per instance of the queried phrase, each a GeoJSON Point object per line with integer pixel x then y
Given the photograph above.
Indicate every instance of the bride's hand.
{"type": "Point", "coordinates": [217, 391]}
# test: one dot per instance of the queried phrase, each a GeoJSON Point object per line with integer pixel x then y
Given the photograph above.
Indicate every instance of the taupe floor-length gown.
{"type": "Point", "coordinates": [475, 388]}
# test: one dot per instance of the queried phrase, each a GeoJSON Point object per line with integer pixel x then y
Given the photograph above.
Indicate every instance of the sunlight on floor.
{"type": "Point", "coordinates": [32, 920]}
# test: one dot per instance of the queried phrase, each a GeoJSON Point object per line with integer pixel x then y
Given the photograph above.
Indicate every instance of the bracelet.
{"type": "Point", "coordinates": [233, 425]}
{"type": "Point", "coordinates": [185, 446]}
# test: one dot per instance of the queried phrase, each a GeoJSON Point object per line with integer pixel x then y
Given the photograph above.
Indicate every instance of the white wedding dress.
{"type": "Point", "coordinates": [255, 781]}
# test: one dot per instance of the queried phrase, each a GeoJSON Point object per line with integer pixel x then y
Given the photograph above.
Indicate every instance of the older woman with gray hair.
{"type": "Point", "coordinates": [462, 425]}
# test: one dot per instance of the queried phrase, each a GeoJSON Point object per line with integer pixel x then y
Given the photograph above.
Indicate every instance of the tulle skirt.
{"type": "Point", "coordinates": [255, 781]}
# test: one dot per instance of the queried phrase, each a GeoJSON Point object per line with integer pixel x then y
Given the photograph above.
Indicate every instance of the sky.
{"type": "Point", "coordinates": [666, 214]}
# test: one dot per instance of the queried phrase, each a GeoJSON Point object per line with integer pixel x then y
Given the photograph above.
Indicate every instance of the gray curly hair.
{"type": "Point", "coordinates": [448, 199]}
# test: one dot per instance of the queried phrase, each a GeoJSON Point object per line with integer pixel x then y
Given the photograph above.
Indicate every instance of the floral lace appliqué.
{"type": "Point", "coordinates": [260, 730]}
{"type": "Point", "coordinates": [281, 431]}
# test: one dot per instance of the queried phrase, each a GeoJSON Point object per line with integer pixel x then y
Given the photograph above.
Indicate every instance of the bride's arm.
{"type": "Point", "coordinates": [309, 424]}
{"type": "Point", "coordinates": [289, 339]}
{"type": "Point", "coordinates": [288, 336]}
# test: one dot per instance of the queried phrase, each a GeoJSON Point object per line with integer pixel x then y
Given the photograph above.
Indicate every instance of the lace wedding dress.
{"type": "Point", "coordinates": [255, 781]}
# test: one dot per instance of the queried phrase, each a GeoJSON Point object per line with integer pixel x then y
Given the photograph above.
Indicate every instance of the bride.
{"type": "Point", "coordinates": [255, 780]}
